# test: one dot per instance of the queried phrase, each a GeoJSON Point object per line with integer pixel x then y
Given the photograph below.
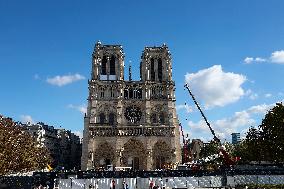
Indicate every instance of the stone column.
{"type": "Point", "coordinates": [149, 159]}
{"type": "Point", "coordinates": [118, 156]}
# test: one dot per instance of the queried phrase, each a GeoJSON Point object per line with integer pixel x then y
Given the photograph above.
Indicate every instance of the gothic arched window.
{"type": "Point", "coordinates": [153, 118]}
{"type": "Point", "coordinates": [152, 70]}
{"type": "Point", "coordinates": [130, 93]}
{"type": "Point", "coordinates": [160, 69]}
{"type": "Point", "coordinates": [104, 62]}
{"type": "Point", "coordinates": [139, 93]}
{"type": "Point", "coordinates": [111, 119]}
{"type": "Point", "coordinates": [102, 92]}
{"type": "Point", "coordinates": [161, 118]}
{"type": "Point", "coordinates": [153, 92]}
{"type": "Point", "coordinates": [102, 118]}
{"type": "Point", "coordinates": [126, 93]}
{"type": "Point", "coordinates": [112, 66]}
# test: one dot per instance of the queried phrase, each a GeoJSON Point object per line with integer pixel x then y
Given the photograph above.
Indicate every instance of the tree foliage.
{"type": "Point", "coordinates": [266, 143]}
{"type": "Point", "coordinates": [211, 148]}
{"type": "Point", "coordinates": [272, 134]}
{"type": "Point", "coordinates": [19, 152]}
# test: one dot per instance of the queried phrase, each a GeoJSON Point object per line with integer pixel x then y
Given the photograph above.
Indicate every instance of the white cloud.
{"type": "Point", "coordinates": [259, 109]}
{"type": "Point", "coordinates": [267, 95]}
{"type": "Point", "coordinates": [216, 87]}
{"type": "Point", "coordinates": [199, 126]}
{"type": "Point", "coordinates": [185, 107]}
{"type": "Point", "coordinates": [277, 57]}
{"type": "Point", "coordinates": [223, 127]}
{"type": "Point", "coordinates": [80, 108]}
{"type": "Point", "coordinates": [259, 59]}
{"type": "Point", "coordinates": [64, 80]}
{"type": "Point", "coordinates": [239, 122]}
{"type": "Point", "coordinates": [27, 119]}
{"type": "Point", "coordinates": [79, 134]}
{"type": "Point", "coordinates": [249, 60]}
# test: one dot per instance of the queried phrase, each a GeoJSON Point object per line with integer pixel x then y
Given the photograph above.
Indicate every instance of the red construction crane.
{"type": "Point", "coordinates": [185, 146]}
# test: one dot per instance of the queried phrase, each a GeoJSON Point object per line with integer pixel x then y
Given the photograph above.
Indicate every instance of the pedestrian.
{"type": "Point", "coordinates": [151, 185]}
{"type": "Point", "coordinates": [112, 184]}
{"type": "Point", "coordinates": [123, 184]}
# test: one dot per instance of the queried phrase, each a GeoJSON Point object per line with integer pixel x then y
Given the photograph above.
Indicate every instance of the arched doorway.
{"type": "Point", "coordinates": [161, 154]}
{"type": "Point", "coordinates": [104, 155]}
{"type": "Point", "coordinates": [134, 155]}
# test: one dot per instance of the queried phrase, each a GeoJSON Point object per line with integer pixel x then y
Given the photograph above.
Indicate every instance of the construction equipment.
{"type": "Point", "coordinates": [226, 157]}
{"type": "Point", "coordinates": [185, 146]}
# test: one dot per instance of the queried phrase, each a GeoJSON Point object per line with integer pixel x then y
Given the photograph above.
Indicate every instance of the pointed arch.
{"type": "Point", "coordinates": [134, 154]}
{"type": "Point", "coordinates": [152, 69]}
{"type": "Point", "coordinates": [104, 155]}
{"type": "Point", "coordinates": [160, 69]}
{"type": "Point", "coordinates": [102, 118]}
{"type": "Point", "coordinates": [161, 154]}
{"type": "Point", "coordinates": [104, 63]}
{"type": "Point", "coordinates": [111, 118]}
{"type": "Point", "coordinates": [161, 118]}
{"type": "Point", "coordinates": [112, 65]}
{"type": "Point", "coordinates": [154, 118]}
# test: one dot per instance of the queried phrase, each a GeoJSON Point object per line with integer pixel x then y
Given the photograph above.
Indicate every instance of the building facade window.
{"type": "Point", "coordinates": [102, 118]}
{"type": "Point", "coordinates": [160, 69]}
{"type": "Point", "coordinates": [126, 93]}
{"type": "Point", "coordinates": [104, 63]}
{"type": "Point", "coordinates": [112, 65]}
{"type": "Point", "coordinates": [130, 93]}
{"type": "Point", "coordinates": [152, 69]}
{"type": "Point", "coordinates": [154, 118]}
{"type": "Point", "coordinates": [139, 93]}
{"type": "Point", "coordinates": [111, 119]}
{"type": "Point", "coordinates": [162, 118]}
{"type": "Point", "coordinates": [102, 92]}
{"type": "Point", "coordinates": [153, 92]}
{"type": "Point", "coordinates": [112, 92]}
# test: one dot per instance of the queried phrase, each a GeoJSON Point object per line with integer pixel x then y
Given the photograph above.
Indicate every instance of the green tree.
{"type": "Point", "coordinates": [211, 148]}
{"type": "Point", "coordinates": [19, 152]}
{"type": "Point", "coordinates": [265, 143]}
{"type": "Point", "coordinates": [272, 134]}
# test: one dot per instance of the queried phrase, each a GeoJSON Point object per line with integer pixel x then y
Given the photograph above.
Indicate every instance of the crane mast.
{"type": "Point", "coordinates": [216, 139]}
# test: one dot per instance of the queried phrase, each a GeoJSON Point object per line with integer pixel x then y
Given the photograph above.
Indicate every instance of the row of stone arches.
{"type": "Point", "coordinates": [158, 118]}
{"type": "Point", "coordinates": [133, 154]}
{"type": "Point", "coordinates": [109, 118]}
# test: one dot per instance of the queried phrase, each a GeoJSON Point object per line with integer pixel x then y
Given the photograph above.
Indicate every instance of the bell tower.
{"type": "Point", "coordinates": [156, 64]}
{"type": "Point", "coordinates": [108, 62]}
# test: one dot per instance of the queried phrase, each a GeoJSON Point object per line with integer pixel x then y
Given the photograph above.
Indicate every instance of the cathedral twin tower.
{"type": "Point", "coordinates": [131, 123]}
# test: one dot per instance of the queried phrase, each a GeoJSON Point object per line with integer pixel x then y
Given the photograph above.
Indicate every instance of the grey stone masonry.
{"type": "Point", "coordinates": [131, 123]}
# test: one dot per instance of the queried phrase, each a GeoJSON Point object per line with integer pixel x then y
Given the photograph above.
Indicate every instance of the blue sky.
{"type": "Point", "coordinates": [231, 51]}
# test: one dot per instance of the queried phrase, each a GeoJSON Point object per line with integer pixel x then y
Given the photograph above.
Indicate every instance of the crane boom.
{"type": "Point", "coordinates": [202, 114]}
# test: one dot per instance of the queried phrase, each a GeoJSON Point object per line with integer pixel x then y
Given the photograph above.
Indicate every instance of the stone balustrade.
{"type": "Point", "coordinates": [107, 131]}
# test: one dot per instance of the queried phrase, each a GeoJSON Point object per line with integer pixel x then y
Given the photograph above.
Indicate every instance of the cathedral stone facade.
{"type": "Point", "coordinates": [131, 123]}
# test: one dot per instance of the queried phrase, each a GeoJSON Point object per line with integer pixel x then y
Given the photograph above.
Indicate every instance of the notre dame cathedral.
{"type": "Point", "coordinates": [131, 123]}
